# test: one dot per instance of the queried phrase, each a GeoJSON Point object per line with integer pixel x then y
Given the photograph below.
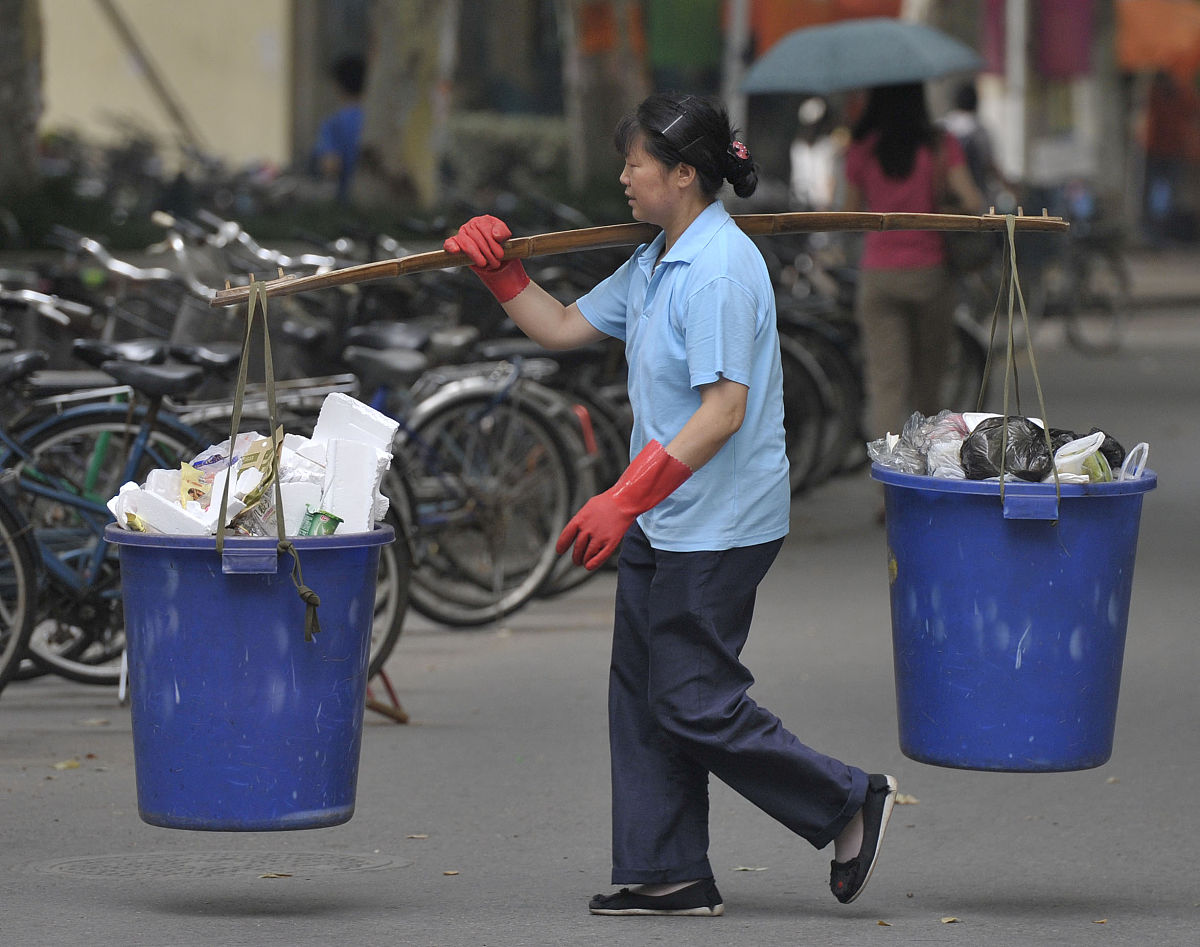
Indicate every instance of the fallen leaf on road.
{"type": "Point", "coordinates": [67, 764]}
{"type": "Point", "coordinates": [1102, 920]}
{"type": "Point", "coordinates": [416, 836]}
{"type": "Point", "coordinates": [275, 874]}
{"type": "Point", "coordinates": [449, 872]}
{"type": "Point", "coordinates": [94, 722]}
{"type": "Point", "coordinates": [904, 799]}
{"type": "Point", "coordinates": [748, 868]}
{"type": "Point", "coordinates": [883, 923]}
{"type": "Point", "coordinates": [949, 920]}
{"type": "Point", "coordinates": [1111, 780]}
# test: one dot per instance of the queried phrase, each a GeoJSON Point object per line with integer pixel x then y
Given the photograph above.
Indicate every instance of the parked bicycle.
{"type": "Point", "coordinates": [59, 473]}
{"type": "Point", "coordinates": [1080, 280]}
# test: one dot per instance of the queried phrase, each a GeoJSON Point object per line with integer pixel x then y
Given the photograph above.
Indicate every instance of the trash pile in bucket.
{"type": "Point", "coordinates": [967, 447]}
{"type": "Point", "coordinates": [328, 482]}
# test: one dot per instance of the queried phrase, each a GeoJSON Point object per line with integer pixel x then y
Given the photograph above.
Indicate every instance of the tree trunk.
{"type": "Point", "coordinates": [410, 57]}
{"type": "Point", "coordinates": [604, 77]}
{"type": "Point", "coordinates": [20, 92]}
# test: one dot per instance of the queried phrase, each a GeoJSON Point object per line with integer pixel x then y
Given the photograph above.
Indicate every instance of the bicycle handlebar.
{"type": "Point", "coordinates": [52, 307]}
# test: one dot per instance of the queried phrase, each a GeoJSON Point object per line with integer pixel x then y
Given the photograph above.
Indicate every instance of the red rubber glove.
{"type": "Point", "coordinates": [480, 239]}
{"type": "Point", "coordinates": [597, 529]}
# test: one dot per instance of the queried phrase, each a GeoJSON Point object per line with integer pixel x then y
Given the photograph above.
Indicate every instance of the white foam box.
{"type": "Point", "coordinates": [297, 497]}
{"type": "Point", "coordinates": [348, 419]}
{"type": "Point", "coordinates": [352, 477]}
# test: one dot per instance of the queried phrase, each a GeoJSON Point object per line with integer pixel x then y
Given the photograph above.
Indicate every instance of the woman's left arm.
{"type": "Point", "coordinates": [596, 530]}
{"type": "Point", "coordinates": [963, 185]}
{"type": "Point", "coordinates": [722, 409]}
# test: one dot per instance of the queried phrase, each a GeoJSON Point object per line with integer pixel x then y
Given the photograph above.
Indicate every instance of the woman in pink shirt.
{"type": "Point", "coordinates": [905, 305]}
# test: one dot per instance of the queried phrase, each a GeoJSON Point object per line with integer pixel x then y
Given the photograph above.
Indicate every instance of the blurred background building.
{"type": "Point", "coordinates": [1093, 102]}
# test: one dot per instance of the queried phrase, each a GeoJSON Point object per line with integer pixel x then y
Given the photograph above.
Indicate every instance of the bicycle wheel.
{"type": "Point", "coordinates": [843, 415]}
{"type": "Point", "coordinates": [491, 488]}
{"type": "Point", "coordinates": [391, 593]}
{"type": "Point", "coordinates": [18, 590]}
{"type": "Point", "coordinates": [963, 384]}
{"type": "Point", "coordinates": [611, 459]}
{"type": "Point", "coordinates": [1097, 314]}
{"type": "Point", "coordinates": [806, 398]}
{"type": "Point", "coordinates": [79, 630]}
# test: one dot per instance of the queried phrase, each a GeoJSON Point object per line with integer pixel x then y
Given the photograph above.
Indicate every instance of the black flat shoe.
{"type": "Point", "coordinates": [847, 879]}
{"type": "Point", "coordinates": [699, 899]}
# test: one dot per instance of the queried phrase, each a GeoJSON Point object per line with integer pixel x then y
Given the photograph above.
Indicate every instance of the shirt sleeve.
{"type": "Point", "coordinates": [606, 305]}
{"type": "Point", "coordinates": [720, 323]}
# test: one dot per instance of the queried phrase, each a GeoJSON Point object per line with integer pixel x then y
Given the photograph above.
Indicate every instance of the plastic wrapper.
{"type": "Point", "coordinates": [941, 443]}
{"type": "Point", "coordinates": [1026, 455]}
{"type": "Point", "coordinates": [1080, 461]}
{"type": "Point", "coordinates": [1113, 452]}
{"type": "Point", "coordinates": [1135, 462]}
{"type": "Point", "coordinates": [958, 446]}
{"type": "Point", "coordinates": [891, 452]}
{"type": "Point", "coordinates": [1110, 447]}
{"type": "Point", "coordinates": [339, 470]}
{"type": "Point", "coordinates": [925, 446]}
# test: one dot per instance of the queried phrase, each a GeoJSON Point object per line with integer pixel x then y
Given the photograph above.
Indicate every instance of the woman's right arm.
{"type": "Point", "coordinates": [538, 314]}
{"type": "Point", "coordinates": [547, 321]}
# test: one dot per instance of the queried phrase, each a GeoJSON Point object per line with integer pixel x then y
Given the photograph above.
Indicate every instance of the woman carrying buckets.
{"type": "Point", "coordinates": [699, 516]}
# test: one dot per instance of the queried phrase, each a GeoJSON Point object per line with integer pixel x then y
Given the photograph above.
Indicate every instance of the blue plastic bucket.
{"type": "Point", "coordinates": [239, 724]}
{"type": "Point", "coordinates": [1008, 622]}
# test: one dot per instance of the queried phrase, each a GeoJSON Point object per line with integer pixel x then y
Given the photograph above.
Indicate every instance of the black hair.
{"type": "Point", "coordinates": [899, 114]}
{"type": "Point", "coordinates": [349, 72]}
{"type": "Point", "coordinates": [693, 130]}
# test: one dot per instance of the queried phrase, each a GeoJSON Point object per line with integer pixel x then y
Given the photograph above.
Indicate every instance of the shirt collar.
{"type": "Point", "coordinates": [700, 231]}
{"type": "Point", "coordinates": [697, 236]}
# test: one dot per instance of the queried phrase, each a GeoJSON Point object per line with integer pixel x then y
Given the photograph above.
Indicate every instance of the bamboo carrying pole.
{"type": "Point", "coordinates": [617, 235]}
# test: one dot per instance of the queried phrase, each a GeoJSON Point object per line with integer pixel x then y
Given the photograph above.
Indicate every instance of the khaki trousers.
{"type": "Point", "coordinates": [906, 318]}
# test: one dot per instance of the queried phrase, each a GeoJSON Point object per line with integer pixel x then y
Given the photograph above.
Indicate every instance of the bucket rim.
{"type": "Point", "coordinates": [381, 535]}
{"type": "Point", "coordinates": [1146, 482]}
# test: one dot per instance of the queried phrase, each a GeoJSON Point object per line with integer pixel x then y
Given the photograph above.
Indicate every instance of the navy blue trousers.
{"type": "Point", "coordinates": [678, 710]}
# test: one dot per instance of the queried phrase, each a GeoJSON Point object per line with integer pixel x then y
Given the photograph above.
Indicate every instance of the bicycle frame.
{"type": "Point", "coordinates": [93, 513]}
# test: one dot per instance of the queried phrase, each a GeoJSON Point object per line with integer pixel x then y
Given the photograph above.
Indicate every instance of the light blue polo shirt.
{"type": "Point", "coordinates": [707, 311]}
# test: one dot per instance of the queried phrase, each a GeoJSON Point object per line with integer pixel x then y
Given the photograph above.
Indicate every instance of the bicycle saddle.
{"type": "Point", "coordinates": [384, 368]}
{"type": "Point", "coordinates": [215, 355]}
{"type": "Point", "coordinates": [18, 364]}
{"type": "Point", "coordinates": [522, 347]}
{"type": "Point", "coordinates": [388, 335]}
{"type": "Point", "coordinates": [96, 352]}
{"type": "Point", "coordinates": [307, 331]}
{"type": "Point", "coordinates": [156, 380]}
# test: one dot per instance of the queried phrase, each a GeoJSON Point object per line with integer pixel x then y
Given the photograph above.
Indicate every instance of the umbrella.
{"type": "Point", "coordinates": [856, 54]}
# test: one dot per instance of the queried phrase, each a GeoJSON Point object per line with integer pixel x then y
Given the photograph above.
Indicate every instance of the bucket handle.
{"type": "Point", "coordinates": [1029, 506]}
{"type": "Point", "coordinates": [260, 561]}
{"type": "Point", "coordinates": [1021, 505]}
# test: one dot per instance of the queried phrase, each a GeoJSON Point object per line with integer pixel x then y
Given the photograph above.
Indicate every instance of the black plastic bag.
{"type": "Point", "coordinates": [1060, 437]}
{"type": "Point", "coordinates": [1026, 455]}
{"type": "Point", "coordinates": [1113, 452]}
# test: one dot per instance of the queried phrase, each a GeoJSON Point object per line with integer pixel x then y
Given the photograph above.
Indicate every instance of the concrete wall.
{"type": "Point", "coordinates": [226, 63]}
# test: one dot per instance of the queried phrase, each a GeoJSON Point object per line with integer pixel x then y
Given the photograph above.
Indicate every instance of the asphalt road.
{"type": "Point", "coordinates": [484, 821]}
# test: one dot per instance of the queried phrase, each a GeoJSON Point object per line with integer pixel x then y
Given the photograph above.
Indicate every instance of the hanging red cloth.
{"type": "Point", "coordinates": [1154, 35]}
{"type": "Point", "coordinates": [1064, 31]}
{"type": "Point", "coordinates": [771, 20]}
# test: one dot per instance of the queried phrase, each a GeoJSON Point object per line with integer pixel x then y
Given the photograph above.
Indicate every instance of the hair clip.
{"type": "Point", "coordinates": [739, 151]}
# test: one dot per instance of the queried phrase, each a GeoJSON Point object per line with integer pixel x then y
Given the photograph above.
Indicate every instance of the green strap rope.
{"type": "Point", "coordinates": [1016, 300]}
{"type": "Point", "coordinates": [258, 303]}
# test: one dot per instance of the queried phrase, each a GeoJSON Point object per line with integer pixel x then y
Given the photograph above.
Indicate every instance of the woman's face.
{"type": "Point", "coordinates": [648, 186]}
